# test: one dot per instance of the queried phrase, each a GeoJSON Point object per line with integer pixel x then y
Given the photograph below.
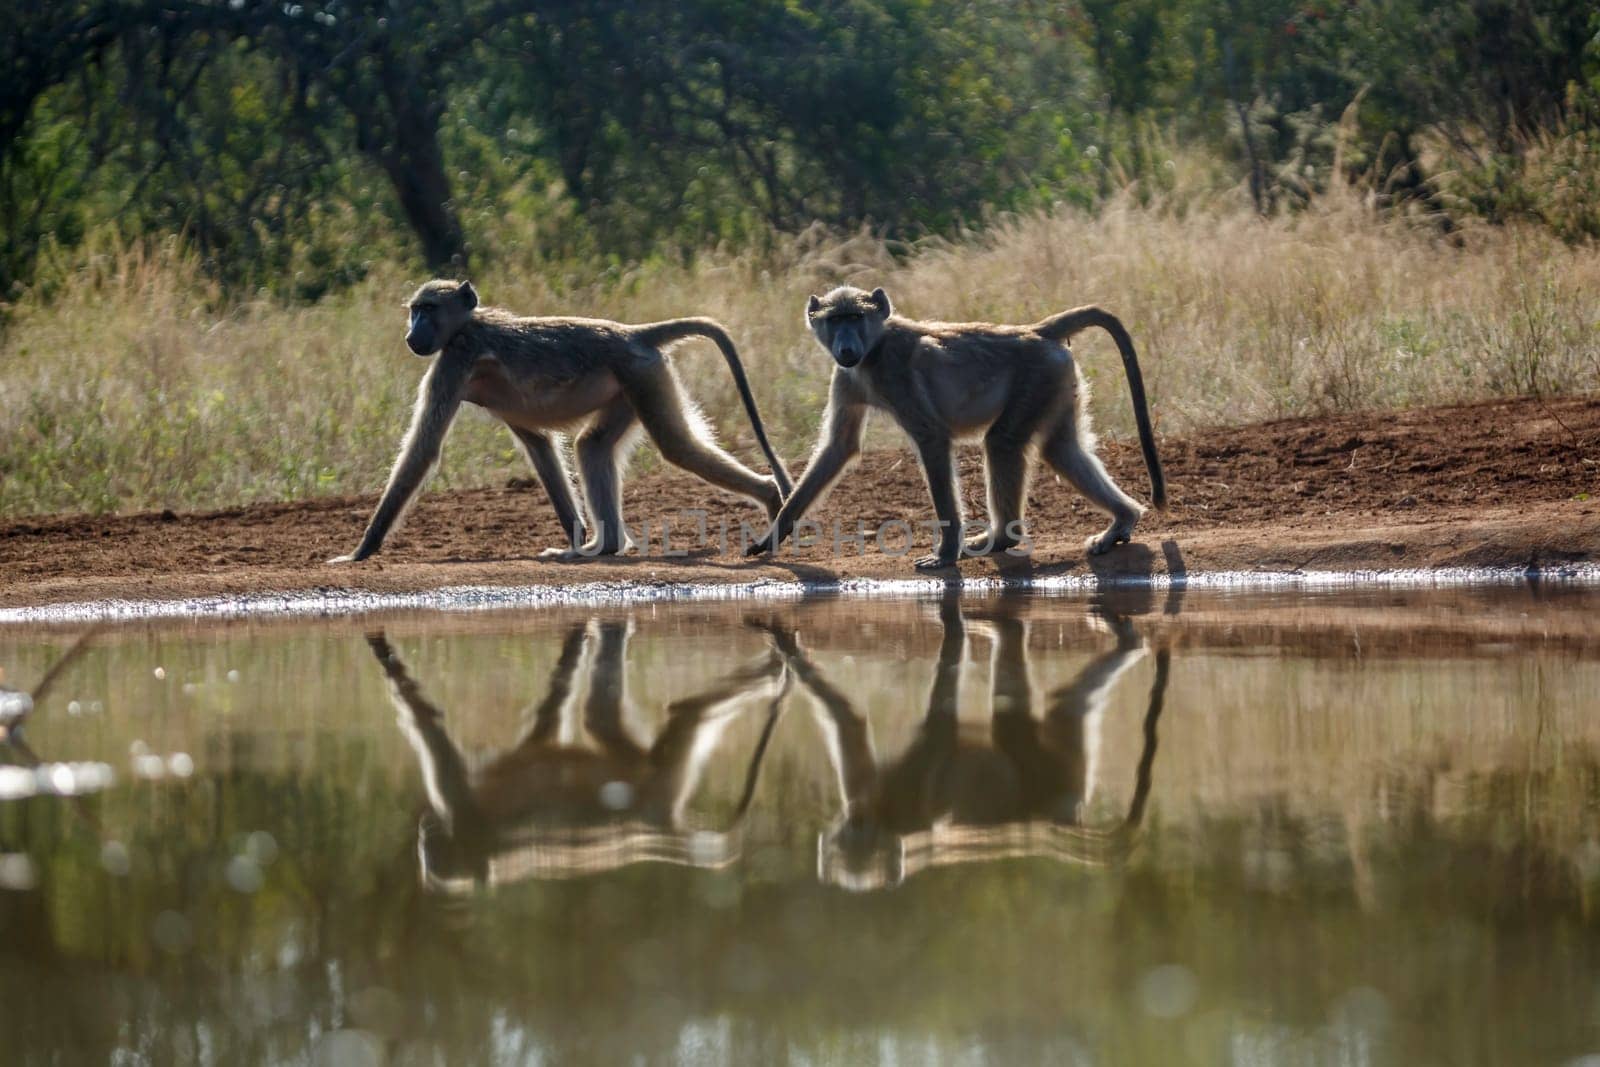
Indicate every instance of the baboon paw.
{"type": "Point", "coordinates": [988, 546]}
{"type": "Point", "coordinates": [578, 555]}
{"type": "Point", "coordinates": [348, 557]}
{"type": "Point", "coordinates": [1100, 544]}
{"type": "Point", "coordinates": [933, 563]}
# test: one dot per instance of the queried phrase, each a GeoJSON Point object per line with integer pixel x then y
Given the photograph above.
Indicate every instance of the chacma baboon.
{"type": "Point", "coordinates": [553, 806]}
{"type": "Point", "coordinates": [540, 376]}
{"type": "Point", "coordinates": [949, 797]}
{"type": "Point", "coordinates": [1016, 385]}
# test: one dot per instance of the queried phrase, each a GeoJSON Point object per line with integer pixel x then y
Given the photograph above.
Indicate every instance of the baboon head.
{"type": "Point", "coordinates": [438, 310]}
{"type": "Point", "coordinates": [848, 322]}
{"type": "Point", "coordinates": [451, 860]}
{"type": "Point", "coordinates": [859, 855]}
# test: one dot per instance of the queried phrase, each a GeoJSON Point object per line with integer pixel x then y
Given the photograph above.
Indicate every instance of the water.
{"type": "Point", "coordinates": [1343, 828]}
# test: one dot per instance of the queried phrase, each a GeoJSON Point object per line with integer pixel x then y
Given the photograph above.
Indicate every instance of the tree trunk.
{"type": "Point", "coordinates": [415, 166]}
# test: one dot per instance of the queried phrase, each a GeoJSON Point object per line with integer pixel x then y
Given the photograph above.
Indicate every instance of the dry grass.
{"type": "Point", "coordinates": [137, 386]}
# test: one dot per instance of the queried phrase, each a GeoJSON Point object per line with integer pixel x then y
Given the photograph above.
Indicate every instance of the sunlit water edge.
{"type": "Point", "coordinates": [317, 603]}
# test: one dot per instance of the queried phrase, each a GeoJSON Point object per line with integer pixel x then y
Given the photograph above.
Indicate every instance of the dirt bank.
{"type": "Point", "coordinates": [1507, 483]}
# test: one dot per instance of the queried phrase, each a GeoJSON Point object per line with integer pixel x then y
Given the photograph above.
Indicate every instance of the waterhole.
{"type": "Point", "coordinates": [1135, 827]}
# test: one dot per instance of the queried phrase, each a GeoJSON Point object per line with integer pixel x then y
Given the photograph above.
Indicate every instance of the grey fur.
{"type": "Point", "coordinates": [601, 380]}
{"type": "Point", "coordinates": [1018, 386]}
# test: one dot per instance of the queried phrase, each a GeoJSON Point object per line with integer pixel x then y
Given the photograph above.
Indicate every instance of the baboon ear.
{"type": "Point", "coordinates": [813, 305]}
{"type": "Point", "coordinates": [881, 298]}
{"type": "Point", "coordinates": [469, 295]}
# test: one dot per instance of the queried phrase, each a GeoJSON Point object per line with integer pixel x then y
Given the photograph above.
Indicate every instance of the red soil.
{"type": "Point", "coordinates": [1508, 483]}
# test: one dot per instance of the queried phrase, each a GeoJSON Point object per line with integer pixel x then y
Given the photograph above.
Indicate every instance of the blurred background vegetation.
{"type": "Point", "coordinates": [189, 186]}
{"type": "Point", "coordinates": [286, 141]}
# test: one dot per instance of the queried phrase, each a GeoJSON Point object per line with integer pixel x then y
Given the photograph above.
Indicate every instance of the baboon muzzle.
{"type": "Point", "coordinates": [420, 341]}
{"type": "Point", "coordinates": [848, 355]}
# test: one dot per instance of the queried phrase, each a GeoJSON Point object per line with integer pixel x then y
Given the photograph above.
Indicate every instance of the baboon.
{"type": "Point", "coordinates": [1018, 386]}
{"type": "Point", "coordinates": [949, 797]}
{"type": "Point", "coordinates": [541, 376]}
{"type": "Point", "coordinates": [548, 807]}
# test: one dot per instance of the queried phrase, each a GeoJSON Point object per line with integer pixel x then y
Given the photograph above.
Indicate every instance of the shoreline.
{"type": "Point", "coordinates": [351, 602]}
{"type": "Point", "coordinates": [1505, 491]}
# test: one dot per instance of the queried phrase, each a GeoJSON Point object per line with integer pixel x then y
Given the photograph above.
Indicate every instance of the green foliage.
{"type": "Point", "coordinates": [292, 144]}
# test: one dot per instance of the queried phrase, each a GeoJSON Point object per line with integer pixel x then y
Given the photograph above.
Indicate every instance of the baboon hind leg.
{"type": "Point", "coordinates": [1070, 450]}
{"type": "Point", "coordinates": [676, 428]}
{"type": "Point", "coordinates": [545, 459]}
{"type": "Point", "coordinates": [1005, 463]}
{"type": "Point", "coordinates": [1007, 458]}
{"type": "Point", "coordinates": [601, 448]}
{"type": "Point", "coordinates": [604, 714]}
{"type": "Point", "coordinates": [546, 714]}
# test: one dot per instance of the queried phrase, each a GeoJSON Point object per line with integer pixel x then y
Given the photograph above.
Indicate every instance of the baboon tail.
{"type": "Point", "coordinates": [1147, 759]}
{"type": "Point", "coordinates": [664, 333]}
{"type": "Point", "coordinates": [1062, 327]}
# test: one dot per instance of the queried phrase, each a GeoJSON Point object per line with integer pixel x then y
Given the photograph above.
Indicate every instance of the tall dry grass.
{"type": "Point", "coordinates": [138, 385]}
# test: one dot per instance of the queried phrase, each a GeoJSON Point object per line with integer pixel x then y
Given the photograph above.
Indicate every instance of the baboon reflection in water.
{"type": "Point", "coordinates": [73, 780]}
{"type": "Point", "coordinates": [548, 809]}
{"type": "Point", "coordinates": [17, 704]}
{"type": "Point", "coordinates": [948, 799]}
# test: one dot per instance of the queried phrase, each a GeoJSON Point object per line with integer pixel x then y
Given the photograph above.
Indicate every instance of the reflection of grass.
{"type": "Point", "coordinates": [138, 385]}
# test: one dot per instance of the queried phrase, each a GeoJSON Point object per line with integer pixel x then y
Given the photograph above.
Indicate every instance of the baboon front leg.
{"type": "Point", "coordinates": [444, 770]}
{"type": "Point", "coordinates": [600, 451]}
{"type": "Point", "coordinates": [1071, 452]}
{"type": "Point", "coordinates": [545, 458]}
{"type": "Point", "coordinates": [823, 470]}
{"type": "Point", "coordinates": [847, 733]}
{"type": "Point", "coordinates": [686, 442]}
{"type": "Point", "coordinates": [843, 424]}
{"type": "Point", "coordinates": [934, 452]}
{"type": "Point", "coordinates": [438, 399]}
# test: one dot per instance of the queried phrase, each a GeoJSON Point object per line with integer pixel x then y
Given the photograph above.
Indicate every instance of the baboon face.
{"type": "Point", "coordinates": [848, 322]}
{"type": "Point", "coordinates": [447, 859]}
{"type": "Point", "coordinates": [438, 310]}
{"type": "Point", "coordinates": [860, 856]}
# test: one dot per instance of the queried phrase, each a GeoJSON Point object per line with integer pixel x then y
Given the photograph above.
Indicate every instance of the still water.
{"type": "Point", "coordinates": [1344, 828]}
